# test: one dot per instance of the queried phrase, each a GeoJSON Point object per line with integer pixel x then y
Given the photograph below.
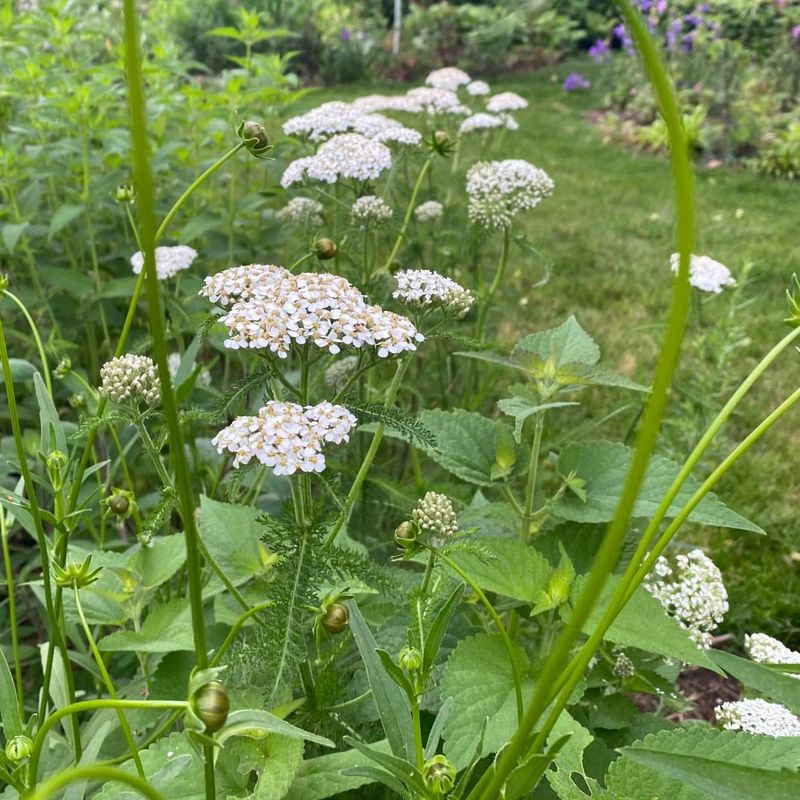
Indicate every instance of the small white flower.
{"type": "Point", "coordinates": [371, 103]}
{"type": "Point", "coordinates": [758, 716]}
{"type": "Point", "coordinates": [429, 211]}
{"type": "Point", "coordinates": [449, 78]}
{"type": "Point", "coordinates": [435, 514]}
{"type": "Point", "coordinates": [437, 101]}
{"type": "Point", "coordinates": [506, 101]}
{"type": "Point", "coordinates": [481, 122]}
{"type": "Point", "coordinates": [370, 210]}
{"type": "Point", "coordinates": [169, 260]}
{"type": "Point", "coordinates": [765, 649]}
{"type": "Point", "coordinates": [705, 273]}
{"type": "Point", "coordinates": [385, 130]}
{"type": "Point", "coordinates": [692, 592]}
{"type": "Point", "coordinates": [302, 211]}
{"type": "Point", "coordinates": [286, 436]}
{"type": "Point", "coordinates": [130, 379]}
{"type": "Point", "coordinates": [322, 122]}
{"type": "Point", "coordinates": [424, 288]}
{"type": "Point", "coordinates": [478, 88]}
{"type": "Point", "coordinates": [499, 190]}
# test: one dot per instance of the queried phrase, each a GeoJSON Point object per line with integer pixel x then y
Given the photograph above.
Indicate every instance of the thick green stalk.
{"type": "Point", "coordinates": [499, 275]}
{"type": "Point", "coordinates": [146, 202]}
{"type": "Point", "coordinates": [412, 201]}
{"type": "Point", "coordinates": [36, 337]}
{"type": "Point", "coordinates": [56, 633]}
{"type": "Point", "coordinates": [608, 555]}
{"type": "Point", "coordinates": [123, 720]}
{"type": "Point", "coordinates": [12, 613]}
{"type": "Point", "coordinates": [93, 773]}
{"type": "Point", "coordinates": [530, 489]}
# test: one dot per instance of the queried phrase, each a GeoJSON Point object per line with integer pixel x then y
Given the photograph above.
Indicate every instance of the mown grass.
{"type": "Point", "coordinates": [605, 238]}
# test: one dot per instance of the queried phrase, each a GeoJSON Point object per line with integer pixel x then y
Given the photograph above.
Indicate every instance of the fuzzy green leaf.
{"type": "Point", "coordinates": [167, 628]}
{"type": "Point", "coordinates": [604, 466]}
{"type": "Point", "coordinates": [521, 407]}
{"type": "Point", "coordinates": [284, 757]}
{"type": "Point", "coordinates": [567, 344]}
{"type": "Point", "coordinates": [52, 435]}
{"type": "Point", "coordinates": [479, 680]}
{"type": "Point", "coordinates": [702, 763]}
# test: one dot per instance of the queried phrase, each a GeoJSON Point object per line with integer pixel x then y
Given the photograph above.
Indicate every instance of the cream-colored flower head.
{"type": "Point", "coordinates": [130, 379]}
{"type": "Point", "coordinates": [169, 260]}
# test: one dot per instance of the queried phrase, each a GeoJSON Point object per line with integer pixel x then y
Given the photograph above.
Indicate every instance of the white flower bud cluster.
{"type": "Point", "coordinates": [385, 130]}
{"type": "Point", "coordinates": [371, 210]}
{"type": "Point", "coordinates": [480, 122]}
{"type": "Point", "coordinates": [437, 101]}
{"type": "Point", "coordinates": [286, 436]}
{"type": "Point", "coordinates": [449, 78]}
{"type": "Point", "coordinates": [338, 373]}
{"type": "Point", "coordinates": [302, 211]}
{"type": "Point", "coordinates": [765, 649]}
{"type": "Point", "coordinates": [499, 190]}
{"type": "Point", "coordinates": [436, 515]}
{"type": "Point", "coordinates": [169, 260]}
{"type": "Point", "coordinates": [478, 88]}
{"type": "Point", "coordinates": [506, 101]}
{"type": "Point", "coordinates": [623, 666]}
{"type": "Point", "coordinates": [429, 211]}
{"type": "Point", "coordinates": [426, 288]}
{"type": "Point", "coordinates": [130, 379]}
{"type": "Point", "coordinates": [758, 716]}
{"type": "Point", "coordinates": [705, 274]}
{"type": "Point", "coordinates": [276, 309]}
{"type": "Point", "coordinates": [348, 155]}
{"type": "Point", "coordinates": [692, 592]}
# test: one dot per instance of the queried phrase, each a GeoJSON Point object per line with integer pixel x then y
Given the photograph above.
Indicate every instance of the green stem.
{"type": "Point", "coordinates": [233, 632]}
{"type": "Point", "coordinates": [409, 211]}
{"type": "Point", "coordinates": [36, 337]}
{"type": "Point", "coordinates": [12, 613]}
{"type": "Point", "coordinates": [149, 237]}
{"type": "Point", "coordinates": [501, 629]}
{"type": "Point", "coordinates": [607, 557]}
{"type": "Point", "coordinates": [418, 747]}
{"type": "Point", "coordinates": [361, 476]}
{"type": "Point", "coordinates": [123, 720]}
{"type": "Point", "coordinates": [56, 632]}
{"type": "Point", "coordinates": [94, 772]}
{"type": "Point", "coordinates": [530, 489]}
{"type": "Point", "coordinates": [73, 709]}
{"type": "Point", "coordinates": [499, 275]}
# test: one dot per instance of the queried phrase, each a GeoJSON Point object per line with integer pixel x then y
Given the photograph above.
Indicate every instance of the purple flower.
{"type": "Point", "coordinates": [661, 7]}
{"type": "Point", "coordinates": [619, 31]}
{"type": "Point", "coordinates": [688, 41]}
{"type": "Point", "coordinates": [600, 52]}
{"type": "Point", "coordinates": [645, 5]}
{"type": "Point", "coordinates": [575, 81]}
{"type": "Point", "coordinates": [345, 35]}
{"type": "Point", "coordinates": [796, 32]}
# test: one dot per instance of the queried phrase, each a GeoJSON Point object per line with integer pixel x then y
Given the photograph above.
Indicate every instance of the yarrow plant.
{"type": "Point", "coordinates": [429, 211]}
{"type": "Point", "coordinates": [169, 260]}
{"type": "Point", "coordinates": [131, 379]}
{"type": "Point", "coordinates": [706, 274]}
{"type": "Point", "coordinates": [424, 288]}
{"type": "Point", "coordinates": [759, 717]}
{"type": "Point", "coordinates": [302, 211]}
{"type": "Point", "coordinates": [371, 210]}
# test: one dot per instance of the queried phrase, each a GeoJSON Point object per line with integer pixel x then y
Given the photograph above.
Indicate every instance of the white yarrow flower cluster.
{"type": "Point", "coordinates": [273, 309]}
{"type": "Point", "coordinates": [426, 288]}
{"type": "Point", "coordinates": [348, 155]}
{"type": "Point", "coordinates": [130, 379]}
{"type": "Point", "coordinates": [370, 210]}
{"type": "Point", "coordinates": [429, 211]}
{"type": "Point", "coordinates": [449, 78]}
{"type": "Point", "coordinates": [286, 436]}
{"type": "Point", "coordinates": [705, 274]}
{"type": "Point", "coordinates": [169, 260]}
{"type": "Point", "coordinates": [499, 190]}
{"type": "Point", "coordinates": [481, 122]}
{"type": "Point", "coordinates": [322, 122]}
{"type": "Point", "coordinates": [506, 101]}
{"type": "Point", "coordinates": [758, 716]}
{"type": "Point", "coordinates": [692, 592]}
{"type": "Point", "coordinates": [436, 515]}
{"type": "Point", "coordinates": [385, 130]}
{"type": "Point", "coordinates": [765, 649]}
{"type": "Point", "coordinates": [371, 103]}
{"type": "Point", "coordinates": [478, 88]}
{"type": "Point", "coordinates": [437, 101]}
{"type": "Point", "coordinates": [302, 211]}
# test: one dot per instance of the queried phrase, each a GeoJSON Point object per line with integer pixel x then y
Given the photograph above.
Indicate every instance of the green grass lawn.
{"type": "Point", "coordinates": [605, 238]}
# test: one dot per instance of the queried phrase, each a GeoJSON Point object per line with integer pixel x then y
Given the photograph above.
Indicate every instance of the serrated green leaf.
{"type": "Point", "coordinates": [283, 759]}
{"type": "Point", "coordinates": [644, 624]}
{"type": "Point", "coordinates": [479, 680]}
{"type": "Point", "coordinates": [62, 217]}
{"type": "Point", "coordinates": [604, 465]}
{"type": "Point", "coordinates": [465, 443]}
{"type": "Point", "coordinates": [167, 628]}
{"type": "Point", "coordinates": [521, 408]}
{"type": "Point", "coordinates": [781, 688]}
{"type": "Point", "coordinates": [702, 763]}
{"type": "Point", "coordinates": [567, 344]}
{"type": "Point", "coordinates": [505, 566]}
{"type": "Point", "coordinates": [322, 777]}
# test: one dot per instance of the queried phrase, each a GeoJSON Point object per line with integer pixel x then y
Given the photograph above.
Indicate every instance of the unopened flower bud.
{"type": "Point", "coordinates": [124, 193]}
{"type": "Point", "coordinates": [212, 704]}
{"type": "Point", "coordinates": [440, 775]}
{"type": "Point", "coordinates": [441, 137]}
{"type": "Point", "coordinates": [63, 368]}
{"type": "Point", "coordinates": [326, 249]}
{"type": "Point", "coordinates": [405, 534]}
{"type": "Point", "coordinates": [18, 748]}
{"type": "Point", "coordinates": [336, 619]}
{"type": "Point", "coordinates": [255, 137]}
{"type": "Point", "coordinates": [410, 659]}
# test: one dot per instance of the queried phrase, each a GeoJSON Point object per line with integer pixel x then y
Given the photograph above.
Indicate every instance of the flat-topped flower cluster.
{"type": "Point", "coordinates": [273, 309]}
{"type": "Point", "coordinates": [286, 437]}
{"type": "Point", "coordinates": [758, 716]}
{"type": "Point", "coordinates": [422, 288]}
{"type": "Point", "coordinates": [169, 260]}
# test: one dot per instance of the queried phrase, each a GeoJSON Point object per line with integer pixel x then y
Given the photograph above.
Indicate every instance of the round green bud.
{"type": "Point", "coordinates": [18, 748]}
{"type": "Point", "coordinates": [255, 130]}
{"type": "Point", "coordinates": [212, 704]}
{"type": "Point", "coordinates": [336, 619]}
{"type": "Point", "coordinates": [119, 505]}
{"type": "Point", "coordinates": [440, 774]}
{"type": "Point", "coordinates": [410, 659]}
{"type": "Point", "coordinates": [326, 249]}
{"type": "Point", "coordinates": [124, 193]}
{"type": "Point", "coordinates": [441, 137]}
{"type": "Point", "coordinates": [405, 532]}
